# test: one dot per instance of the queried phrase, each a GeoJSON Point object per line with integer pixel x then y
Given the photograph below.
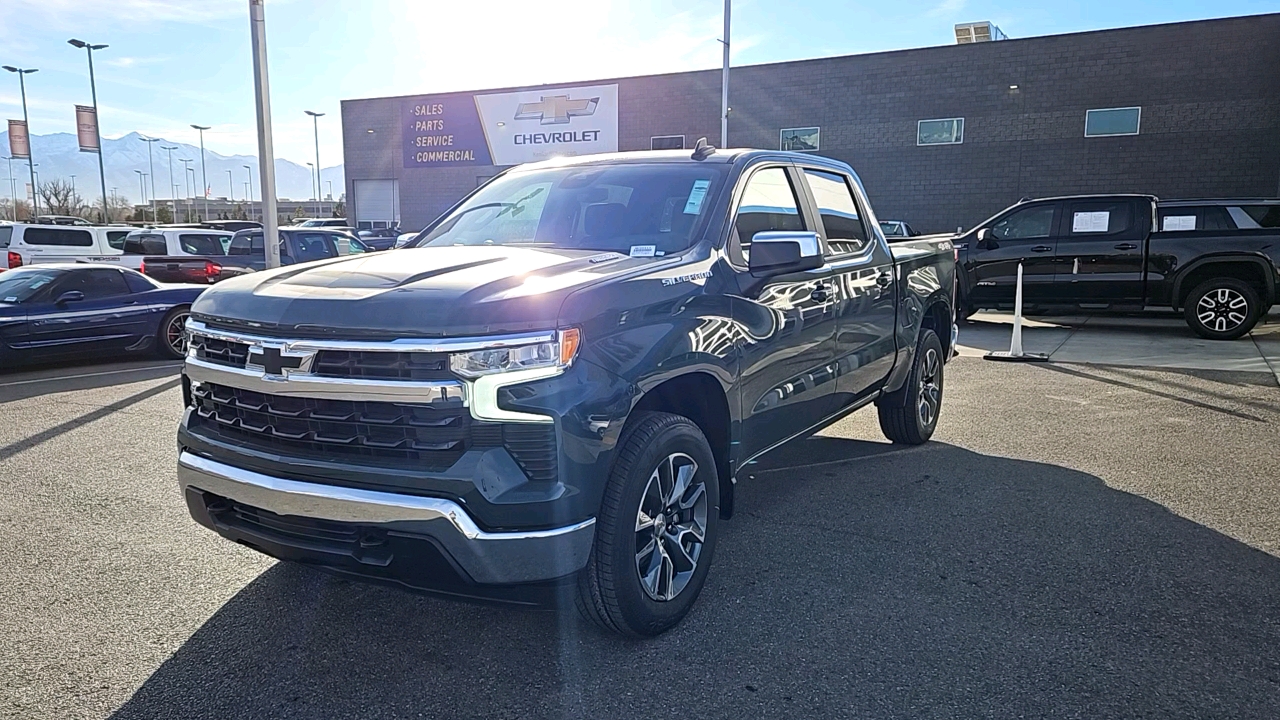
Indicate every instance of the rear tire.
{"type": "Point", "coordinates": [1222, 309]}
{"type": "Point", "coordinates": [168, 345]}
{"type": "Point", "coordinates": [648, 565]}
{"type": "Point", "coordinates": [909, 415]}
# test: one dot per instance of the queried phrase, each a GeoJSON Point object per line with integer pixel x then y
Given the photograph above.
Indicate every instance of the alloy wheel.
{"type": "Point", "coordinates": [1222, 309]}
{"type": "Point", "coordinates": [930, 390]}
{"type": "Point", "coordinates": [175, 333]}
{"type": "Point", "coordinates": [671, 526]}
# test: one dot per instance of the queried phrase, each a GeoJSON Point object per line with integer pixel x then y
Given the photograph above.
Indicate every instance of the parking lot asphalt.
{"type": "Point", "coordinates": [1077, 541]}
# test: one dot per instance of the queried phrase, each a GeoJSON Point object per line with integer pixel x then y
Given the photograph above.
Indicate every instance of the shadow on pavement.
{"type": "Point", "coordinates": [928, 582]}
{"type": "Point", "coordinates": [42, 380]}
{"type": "Point", "coordinates": [1178, 395]}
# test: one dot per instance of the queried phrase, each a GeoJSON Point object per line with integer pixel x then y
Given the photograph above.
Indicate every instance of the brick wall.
{"type": "Point", "coordinates": [1209, 93]}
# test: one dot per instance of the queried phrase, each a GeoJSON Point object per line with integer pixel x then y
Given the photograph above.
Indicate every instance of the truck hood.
{"type": "Point", "coordinates": [413, 292]}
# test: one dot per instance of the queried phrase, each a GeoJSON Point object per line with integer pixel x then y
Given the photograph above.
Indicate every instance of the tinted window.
{"type": "Point", "coordinates": [1032, 222]}
{"type": "Point", "coordinates": [768, 204]}
{"type": "Point", "coordinates": [58, 236]}
{"type": "Point", "coordinates": [115, 238]}
{"type": "Point", "coordinates": [201, 244]}
{"type": "Point", "coordinates": [145, 244]}
{"type": "Point", "coordinates": [838, 210]}
{"type": "Point", "coordinates": [1103, 218]}
{"type": "Point", "coordinates": [313, 246]}
{"type": "Point", "coordinates": [1215, 218]}
{"type": "Point", "coordinates": [138, 282]}
{"type": "Point", "coordinates": [348, 245]}
{"type": "Point", "coordinates": [246, 245]}
{"type": "Point", "coordinates": [1112, 121]}
{"type": "Point", "coordinates": [107, 282]}
{"type": "Point", "coordinates": [646, 208]}
{"type": "Point", "coordinates": [5, 234]}
{"type": "Point", "coordinates": [1252, 217]}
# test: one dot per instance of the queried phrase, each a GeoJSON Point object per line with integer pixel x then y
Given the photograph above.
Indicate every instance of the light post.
{"type": "Point", "coordinates": [191, 198]}
{"type": "Point", "coordinates": [231, 188]}
{"type": "Point", "coordinates": [35, 188]}
{"type": "Point", "coordinates": [93, 87]}
{"type": "Point", "coordinates": [13, 192]}
{"type": "Point", "coordinates": [186, 168]}
{"type": "Point", "coordinates": [312, 168]}
{"type": "Point", "coordinates": [22, 85]}
{"type": "Point", "coordinates": [330, 195]}
{"type": "Point", "coordinates": [315, 127]}
{"type": "Point", "coordinates": [151, 172]}
{"type": "Point", "coordinates": [203, 176]}
{"type": "Point", "coordinates": [142, 186]}
{"type": "Point", "coordinates": [173, 199]}
{"type": "Point", "coordinates": [249, 189]}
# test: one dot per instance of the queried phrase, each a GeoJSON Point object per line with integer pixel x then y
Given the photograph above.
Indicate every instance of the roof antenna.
{"type": "Point", "coordinates": [703, 149]}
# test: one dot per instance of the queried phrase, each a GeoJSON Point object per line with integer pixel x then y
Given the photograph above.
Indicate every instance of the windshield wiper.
{"type": "Point", "coordinates": [518, 206]}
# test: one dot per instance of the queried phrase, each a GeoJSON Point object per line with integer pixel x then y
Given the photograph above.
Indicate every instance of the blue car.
{"type": "Point", "coordinates": [61, 312]}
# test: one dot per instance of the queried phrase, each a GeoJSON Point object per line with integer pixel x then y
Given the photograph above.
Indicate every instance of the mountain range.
{"type": "Point", "coordinates": [58, 155]}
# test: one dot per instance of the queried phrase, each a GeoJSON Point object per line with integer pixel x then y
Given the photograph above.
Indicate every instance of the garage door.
{"type": "Point", "coordinates": [377, 203]}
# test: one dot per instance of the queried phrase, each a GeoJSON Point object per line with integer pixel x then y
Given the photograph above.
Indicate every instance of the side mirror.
{"type": "Point", "coordinates": [780, 252]}
{"type": "Point", "coordinates": [985, 239]}
{"type": "Point", "coordinates": [69, 297]}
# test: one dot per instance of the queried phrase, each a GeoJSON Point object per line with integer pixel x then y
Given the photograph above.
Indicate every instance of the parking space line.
{"type": "Point", "coordinates": [88, 375]}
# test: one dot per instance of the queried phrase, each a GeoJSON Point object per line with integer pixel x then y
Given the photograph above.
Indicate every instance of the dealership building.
{"type": "Point", "coordinates": [941, 136]}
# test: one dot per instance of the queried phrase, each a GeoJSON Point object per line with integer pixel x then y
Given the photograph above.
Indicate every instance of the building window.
{"type": "Point", "coordinates": [666, 142]}
{"type": "Point", "coordinates": [1112, 121]}
{"type": "Point", "coordinates": [947, 131]}
{"type": "Point", "coordinates": [801, 139]}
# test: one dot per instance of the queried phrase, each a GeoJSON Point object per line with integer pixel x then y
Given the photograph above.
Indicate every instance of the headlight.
{"type": "Point", "coordinates": [557, 353]}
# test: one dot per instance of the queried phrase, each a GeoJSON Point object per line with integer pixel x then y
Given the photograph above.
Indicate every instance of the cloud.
{"type": "Point", "coordinates": [947, 8]}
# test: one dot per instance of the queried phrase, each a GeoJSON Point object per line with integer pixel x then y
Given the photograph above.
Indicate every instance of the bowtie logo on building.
{"type": "Point", "coordinates": [556, 109]}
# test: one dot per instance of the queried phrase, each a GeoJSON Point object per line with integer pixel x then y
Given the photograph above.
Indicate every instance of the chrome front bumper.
{"type": "Point", "coordinates": [496, 558]}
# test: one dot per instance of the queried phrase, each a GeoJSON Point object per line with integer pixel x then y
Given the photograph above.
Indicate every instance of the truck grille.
{"type": "Point", "coordinates": [410, 366]}
{"type": "Point", "coordinates": [426, 437]}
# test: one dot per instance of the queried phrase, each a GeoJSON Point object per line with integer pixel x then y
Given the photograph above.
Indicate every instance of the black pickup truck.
{"type": "Point", "coordinates": [1216, 261]}
{"type": "Point", "coordinates": [553, 390]}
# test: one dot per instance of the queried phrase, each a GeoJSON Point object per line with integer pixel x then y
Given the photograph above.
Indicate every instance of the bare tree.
{"type": "Point", "coordinates": [57, 197]}
{"type": "Point", "coordinates": [6, 209]}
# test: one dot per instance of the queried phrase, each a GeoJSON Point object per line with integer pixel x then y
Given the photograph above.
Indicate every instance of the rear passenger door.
{"type": "Point", "coordinates": [1101, 251]}
{"type": "Point", "coordinates": [107, 320]}
{"type": "Point", "coordinates": [862, 282]}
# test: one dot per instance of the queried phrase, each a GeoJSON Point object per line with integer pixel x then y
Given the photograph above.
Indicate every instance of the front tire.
{"type": "Point", "coordinates": [656, 531]}
{"type": "Point", "coordinates": [171, 338]}
{"type": "Point", "coordinates": [1222, 309]}
{"type": "Point", "coordinates": [910, 414]}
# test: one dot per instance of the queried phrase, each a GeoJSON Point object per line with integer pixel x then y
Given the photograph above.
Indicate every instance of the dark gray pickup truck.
{"type": "Point", "coordinates": [552, 391]}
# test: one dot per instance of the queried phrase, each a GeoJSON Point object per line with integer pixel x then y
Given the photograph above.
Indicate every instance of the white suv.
{"type": "Point", "coordinates": [27, 244]}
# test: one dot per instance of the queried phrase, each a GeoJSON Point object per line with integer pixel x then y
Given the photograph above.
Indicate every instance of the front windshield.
{"type": "Point", "coordinates": [639, 209]}
{"type": "Point", "coordinates": [18, 286]}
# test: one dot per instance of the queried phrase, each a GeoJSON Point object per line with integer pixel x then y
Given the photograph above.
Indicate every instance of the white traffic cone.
{"type": "Point", "coordinates": [1015, 353]}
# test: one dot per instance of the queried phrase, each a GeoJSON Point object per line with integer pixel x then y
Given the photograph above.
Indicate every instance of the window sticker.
{"type": "Point", "coordinates": [1179, 222]}
{"type": "Point", "coordinates": [696, 196]}
{"type": "Point", "coordinates": [1090, 222]}
{"type": "Point", "coordinates": [643, 250]}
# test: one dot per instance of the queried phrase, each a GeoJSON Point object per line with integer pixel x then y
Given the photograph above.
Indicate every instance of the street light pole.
{"type": "Point", "coordinates": [22, 85]}
{"type": "Point", "coordinates": [152, 173]}
{"type": "Point", "coordinates": [186, 168]}
{"type": "Point", "coordinates": [249, 189]}
{"type": "Point", "coordinates": [13, 193]}
{"type": "Point", "coordinates": [203, 176]}
{"type": "Point", "coordinates": [724, 81]}
{"type": "Point", "coordinates": [173, 196]}
{"type": "Point", "coordinates": [315, 127]}
{"type": "Point", "coordinates": [93, 87]}
{"type": "Point", "coordinates": [231, 188]}
{"type": "Point", "coordinates": [266, 153]}
{"type": "Point", "coordinates": [142, 185]}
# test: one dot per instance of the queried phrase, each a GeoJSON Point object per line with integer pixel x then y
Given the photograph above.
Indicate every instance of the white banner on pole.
{"type": "Point", "coordinates": [87, 128]}
{"type": "Point", "coordinates": [19, 142]}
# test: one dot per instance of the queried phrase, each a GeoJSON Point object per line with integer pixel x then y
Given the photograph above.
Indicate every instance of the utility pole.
{"type": "Point", "coordinates": [142, 185]}
{"type": "Point", "coordinates": [231, 188]}
{"type": "Point", "coordinates": [151, 171]}
{"type": "Point", "coordinates": [266, 154]}
{"type": "Point", "coordinates": [13, 192]}
{"type": "Point", "coordinates": [724, 81]}
{"type": "Point", "coordinates": [93, 87]}
{"type": "Point", "coordinates": [203, 176]}
{"type": "Point", "coordinates": [315, 126]}
{"type": "Point", "coordinates": [35, 189]}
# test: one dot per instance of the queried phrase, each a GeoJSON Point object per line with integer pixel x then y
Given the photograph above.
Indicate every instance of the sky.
{"type": "Point", "coordinates": [172, 63]}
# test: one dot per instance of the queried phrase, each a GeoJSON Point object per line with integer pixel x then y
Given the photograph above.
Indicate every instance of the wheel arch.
{"type": "Point", "coordinates": [701, 397]}
{"type": "Point", "coordinates": [1252, 269]}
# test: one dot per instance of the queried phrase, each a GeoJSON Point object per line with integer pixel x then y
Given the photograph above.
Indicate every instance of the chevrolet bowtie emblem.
{"type": "Point", "coordinates": [277, 361]}
{"type": "Point", "coordinates": [556, 109]}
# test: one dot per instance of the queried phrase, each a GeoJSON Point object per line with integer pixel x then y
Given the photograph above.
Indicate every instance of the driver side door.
{"type": "Point", "coordinates": [788, 375]}
{"type": "Point", "coordinates": [1024, 235]}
